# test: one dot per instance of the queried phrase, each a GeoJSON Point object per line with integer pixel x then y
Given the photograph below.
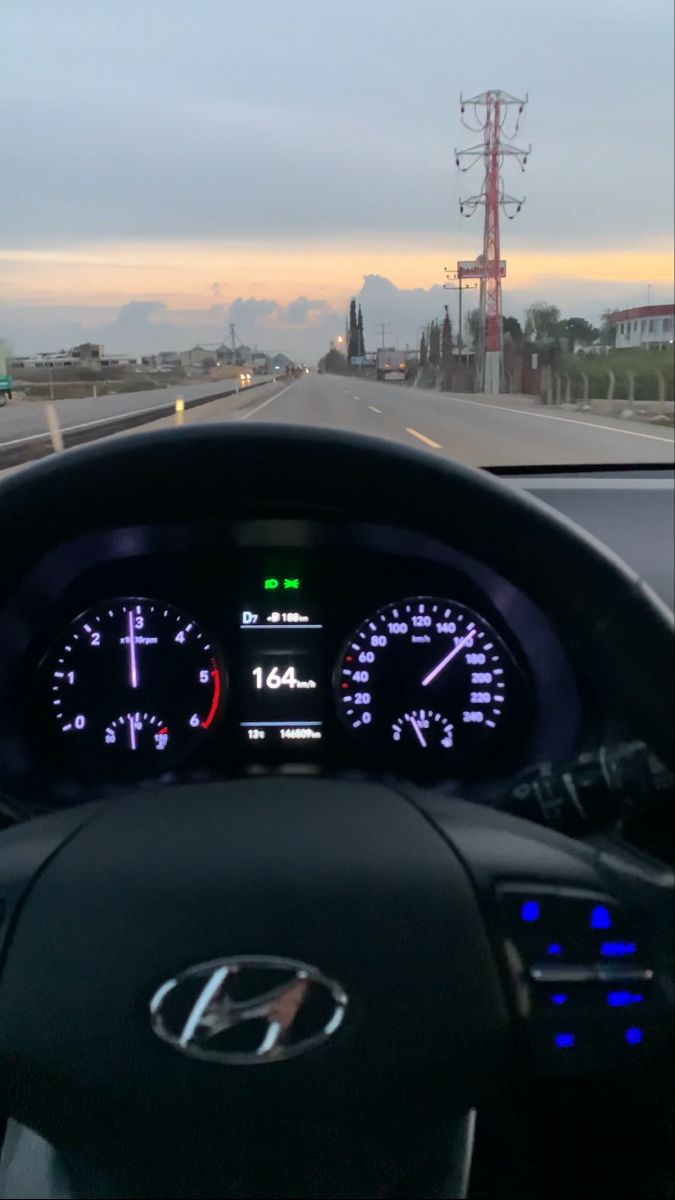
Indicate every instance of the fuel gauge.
{"type": "Point", "coordinates": [423, 729]}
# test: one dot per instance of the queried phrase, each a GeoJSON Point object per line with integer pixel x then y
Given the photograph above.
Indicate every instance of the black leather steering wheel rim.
{"type": "Point", "coordinates": [621, 636]}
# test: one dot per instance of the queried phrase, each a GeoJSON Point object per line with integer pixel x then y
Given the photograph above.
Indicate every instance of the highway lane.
{"type": "Point", "coordinates": [27, 418]}
{"type": "Point", "coordinates": [477, 431]}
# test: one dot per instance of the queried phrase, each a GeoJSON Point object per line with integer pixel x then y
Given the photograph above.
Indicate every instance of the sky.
{"type": "Point", "coordinates": [169, 167]}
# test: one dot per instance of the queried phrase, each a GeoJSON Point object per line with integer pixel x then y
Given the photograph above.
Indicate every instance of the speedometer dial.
{"type": "Point", "coordinates": [427, 678]}
{"type": "Point", "coordinates": [131, 683]}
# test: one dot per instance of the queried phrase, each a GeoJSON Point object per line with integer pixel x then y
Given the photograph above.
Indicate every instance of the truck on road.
{"type": "Point", "coordinates": [391, 365]}
{"type": "Point", "coordinates": [6, 382]}
{"type": "Point", "coordinates": [260, 363]}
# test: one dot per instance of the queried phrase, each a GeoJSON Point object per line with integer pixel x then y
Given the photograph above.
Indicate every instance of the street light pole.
{"type": "Point", "coordinates": [458, 287]}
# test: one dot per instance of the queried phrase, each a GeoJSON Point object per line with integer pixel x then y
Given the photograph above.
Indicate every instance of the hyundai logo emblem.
{"type": "Point", "coordinates": [247, 1010]}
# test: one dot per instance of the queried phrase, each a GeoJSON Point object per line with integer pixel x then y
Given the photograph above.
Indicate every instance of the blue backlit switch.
{"type": "Point", "coordinates": [617, 949]}
{"type": "Point", "coordinates": [623, 997]}
{"type": "Point", "coordinates": [559, 998]}
{"type": "Point", "coordinates": [554, 950]}
{"type": "Point", "coordinates": [530, 911]}
{"type": "Point", "coordinates": [633, 1036]}
{"type": "Point", "coordinates": [600, 917]}
{"type": "Point", "coordinates": [564, 1041]}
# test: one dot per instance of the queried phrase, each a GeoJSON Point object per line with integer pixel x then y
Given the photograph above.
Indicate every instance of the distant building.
{"type": "Point", "coordinates": [88, 356]}
{"type": "Point", "coordinates": [196, 357]}
{"type": "Point", "coordinates": [87, 352]}
{"type": "Point", "coordinates": [648, 327]}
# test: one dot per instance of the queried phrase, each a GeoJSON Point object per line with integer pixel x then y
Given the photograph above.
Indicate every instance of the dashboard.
{"type": "Point", "coordinates": [209, 649]}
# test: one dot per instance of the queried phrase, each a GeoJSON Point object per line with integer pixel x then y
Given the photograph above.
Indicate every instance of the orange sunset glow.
{"type": "Point", "coordinates": [185, 274]}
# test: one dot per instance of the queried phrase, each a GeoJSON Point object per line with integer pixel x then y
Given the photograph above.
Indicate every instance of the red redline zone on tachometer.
{"type": "Point", "coordinates": [215, 675]}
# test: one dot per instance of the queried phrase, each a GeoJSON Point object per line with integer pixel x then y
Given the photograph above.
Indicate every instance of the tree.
{"type": "Point", "coordinates": [446, 340]}
{"type": "Point", "coordinates": [334, 363]}
{"type": "Point", "coordinates": [608, 327]}
{"type": "Point", "coordinates": [473, 322]}
{"type": "Point", "coordinates": [511, 326]}
{"type": "Point", "coordinates": [423, 350]}
{"type": "Point", "coordinates": [353, 340]}
{"type": "Point", "coordinates": [360, 337]}
{"type": "Point", "coordinates": [578, 330]}
{"type": "Point", "coordinates": [434, 344]}
{"type": "Point", "coordinates": [542, 320]}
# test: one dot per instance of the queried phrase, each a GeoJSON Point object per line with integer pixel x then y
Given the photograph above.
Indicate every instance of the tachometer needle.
{"type": "Point", "coordinates": [449, 657]}
{"type": "Point", "coordinates": [418, 733]}
{"type": "Point", "coordinates": [132, 731]}
{"type": "Point", "coordinates": [133, 665]}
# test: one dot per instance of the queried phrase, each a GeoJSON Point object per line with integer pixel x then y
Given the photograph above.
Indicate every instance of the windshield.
{"type": "Point", "coordinates": [446, 226]}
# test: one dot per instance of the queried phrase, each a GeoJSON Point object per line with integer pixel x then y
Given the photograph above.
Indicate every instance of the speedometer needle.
{"type": "Point", "coordinates": [133, 665]}
{"type": "Point", "coordinates": [449, 657]}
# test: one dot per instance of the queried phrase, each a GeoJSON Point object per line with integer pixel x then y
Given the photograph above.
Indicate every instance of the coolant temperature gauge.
{"type": "Point", "coordinates": [423, 729]}
{"type": "Point", "coordinates": [137, 732]}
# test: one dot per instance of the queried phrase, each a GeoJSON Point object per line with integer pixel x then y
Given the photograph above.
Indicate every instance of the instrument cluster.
{"type": "Point", "coordinates": [220, 655]}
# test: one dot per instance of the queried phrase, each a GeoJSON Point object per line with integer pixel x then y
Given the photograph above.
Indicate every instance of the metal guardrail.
{"type": "Point", "coordinates": [39, 445]}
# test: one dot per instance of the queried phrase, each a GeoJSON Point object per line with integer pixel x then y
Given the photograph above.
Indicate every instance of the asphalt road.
{"type": "Point", "coordinates": [474, 431]}
{"type": "Point", "coordinates": [27, 418]}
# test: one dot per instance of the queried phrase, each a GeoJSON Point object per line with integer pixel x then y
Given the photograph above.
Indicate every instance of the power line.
{"type": "Point", "coordinates": [491, 111]}
{"type": "Point", "coordinates": [383, 329]}
{"type": "Point", "coordinates": [460, 287]}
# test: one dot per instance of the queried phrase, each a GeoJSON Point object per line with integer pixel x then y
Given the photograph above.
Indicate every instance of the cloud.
{"type": "Point", "coordinates": [302, 327]}
{"type": "Point", "coordinates": [252, 314]}
{"type": "Point", "coordinates": [303, 312]}
{"type": "Point", "coordinates": [299, 118]}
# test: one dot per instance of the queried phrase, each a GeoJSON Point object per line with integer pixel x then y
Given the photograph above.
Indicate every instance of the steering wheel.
{"type": "Point", "coordinates": [291, 986]}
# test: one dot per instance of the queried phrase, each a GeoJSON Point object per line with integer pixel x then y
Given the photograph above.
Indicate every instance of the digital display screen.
{"type": "Point", "coordinates": [281, 693]}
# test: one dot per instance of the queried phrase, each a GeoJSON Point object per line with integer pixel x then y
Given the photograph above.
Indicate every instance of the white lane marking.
{"type": "Point", "coordinates": [357, 397]}
{"type": "Point", "coordinates": [427, 441]}
{"type": "Point", "coordinates": [373, 409]}
{"type": "Point", "coordinates": [253, 411]}
{"type": "Point", "coordinates": [520, 412]}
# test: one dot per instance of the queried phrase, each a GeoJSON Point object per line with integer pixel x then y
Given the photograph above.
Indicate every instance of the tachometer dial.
{"type": "Point", "coordinates": [426, 677]}
{"type": "Point", "coordinates": [120, 667]}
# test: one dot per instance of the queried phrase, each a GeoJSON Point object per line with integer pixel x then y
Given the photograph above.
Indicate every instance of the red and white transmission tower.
{"type": "Point", "coordinates": [491, 111]}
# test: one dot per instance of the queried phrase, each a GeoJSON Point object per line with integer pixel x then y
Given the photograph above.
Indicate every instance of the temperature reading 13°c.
{"type": "Point", "coordinates": [426, 677]}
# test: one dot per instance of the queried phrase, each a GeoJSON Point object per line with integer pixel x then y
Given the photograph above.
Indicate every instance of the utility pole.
{"type": "Point", "coordinates": [233, 339]}
{"type": "Point", "coordinates": [491, 111]}
{"type": "Point", "coordinates": [383, 329]}
{"type": "Point", "coordinates": [460, 287]}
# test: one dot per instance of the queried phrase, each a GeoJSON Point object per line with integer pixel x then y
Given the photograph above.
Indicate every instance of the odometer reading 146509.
{"type": "Point", "coordinates": [426, 677]}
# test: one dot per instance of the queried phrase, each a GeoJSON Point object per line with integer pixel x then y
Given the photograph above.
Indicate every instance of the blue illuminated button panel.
{"type": "Point", "coordinates": [566, 926]}
{"type": "Point", "coordinates": [582, 981]}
